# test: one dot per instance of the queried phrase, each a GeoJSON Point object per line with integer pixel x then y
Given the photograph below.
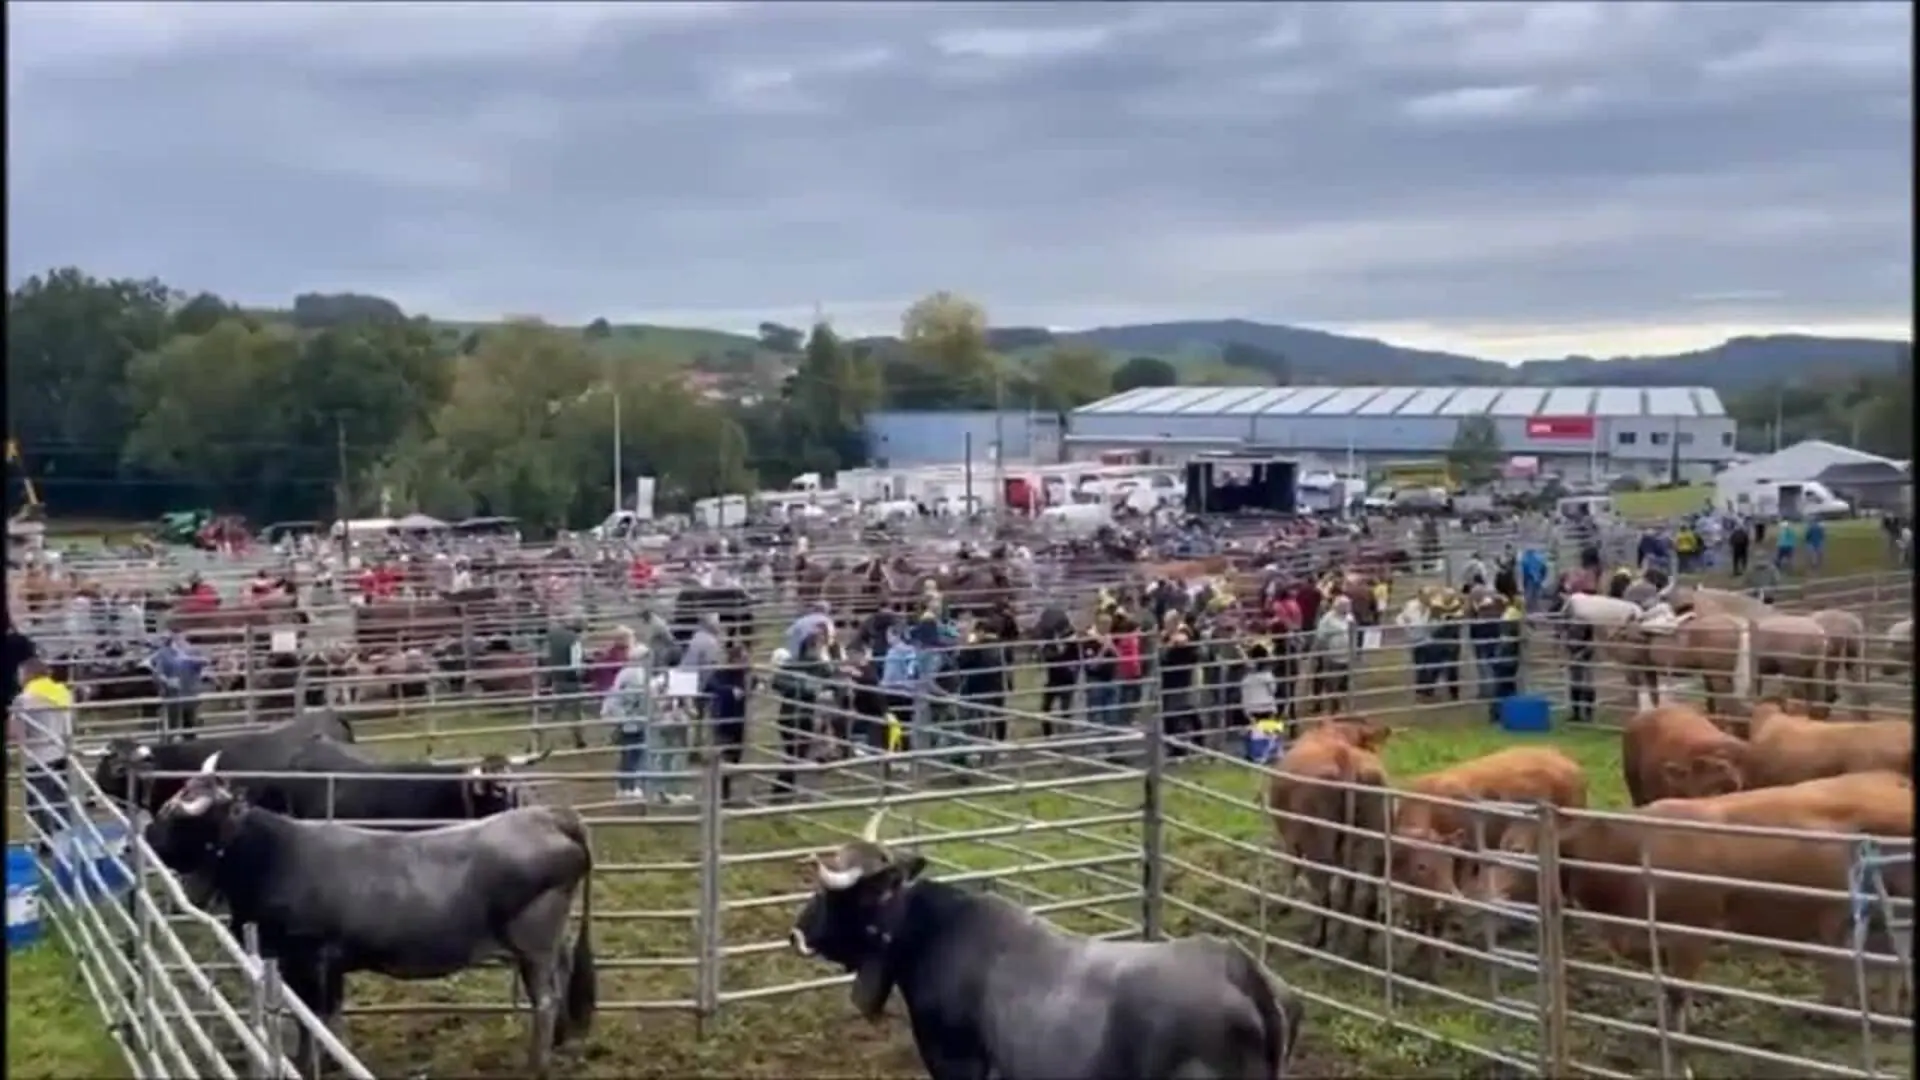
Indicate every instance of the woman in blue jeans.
{"type": "Point", "coordinates": [1101, 670]}
{"type": "Point", "coordinates": [628, 708]}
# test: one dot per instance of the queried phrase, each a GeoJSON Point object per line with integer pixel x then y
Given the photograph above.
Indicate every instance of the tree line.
{"type": "Point", "coordinates": [129, 398]}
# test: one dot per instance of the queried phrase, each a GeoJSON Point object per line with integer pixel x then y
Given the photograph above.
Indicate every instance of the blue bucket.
{"type": "Point", "coordinates": [75, 849]}
{"type": "Point", "coordinates": [1526, 713]}
{"type": "Point", "coordinates": [23, 897]}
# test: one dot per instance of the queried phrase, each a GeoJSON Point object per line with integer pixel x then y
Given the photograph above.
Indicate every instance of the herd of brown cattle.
{"type": "Point", "coordinates": [1788, 772]}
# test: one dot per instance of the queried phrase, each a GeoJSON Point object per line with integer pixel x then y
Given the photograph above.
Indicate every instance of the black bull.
{"type": "Point", "coordinates": [125, 770]}
{"type": "Point", "coordinates": [993, 990]}
{"type": "Point", "coordinates": [329, 899]}
{"type": "Point", "coordinates": [732, 604]}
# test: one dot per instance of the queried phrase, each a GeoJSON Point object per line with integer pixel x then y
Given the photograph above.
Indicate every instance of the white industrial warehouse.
{"type": "Point", "coordinates": [1572, 430]}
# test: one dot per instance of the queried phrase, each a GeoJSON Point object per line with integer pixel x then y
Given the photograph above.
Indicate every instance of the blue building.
{"type": "Point", "coordinates": [906, 438]}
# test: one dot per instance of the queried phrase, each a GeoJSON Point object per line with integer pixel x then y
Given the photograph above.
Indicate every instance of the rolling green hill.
{"type": "Point", "coordinates": [1296, 354]}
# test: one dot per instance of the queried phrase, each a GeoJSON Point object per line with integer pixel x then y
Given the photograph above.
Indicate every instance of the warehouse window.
{"type": "Point", "coordinates": [1658, 438]}
{"type": "Point", "coordinates": [1627, 438]}
{"type": "Point", "coordinates": [1686, 438]}
{"type": "Point", "coordinates": [1726, 438]}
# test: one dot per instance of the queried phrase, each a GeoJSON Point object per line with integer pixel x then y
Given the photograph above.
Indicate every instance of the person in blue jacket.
{"type": "Point", "coordinates": [1533, 576]}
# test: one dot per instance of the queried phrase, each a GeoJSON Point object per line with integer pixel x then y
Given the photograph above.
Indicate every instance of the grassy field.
{"type": "Point", "coordinates": [1661, 505]}
{"type": "Point", "coordinates": [53, 1029]}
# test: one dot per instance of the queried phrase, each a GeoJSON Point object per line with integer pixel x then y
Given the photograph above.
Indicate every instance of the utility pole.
{"type": "Point", "coordinates": [617, 477]}
{"type": "Point", "coordinates": [340, 488]}
{"type": "Point", "coordinates": [999, 439]}
{"type": "Point", "coordinates": [340, 467]}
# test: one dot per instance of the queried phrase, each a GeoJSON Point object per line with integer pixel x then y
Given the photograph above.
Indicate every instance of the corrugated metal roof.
{"type": "Point", "coordinates": [1471, 401]}
{"type": "Point", "coordinates": [1519, 401]}
{"type": "Point", "coordinates": [1413, 401]}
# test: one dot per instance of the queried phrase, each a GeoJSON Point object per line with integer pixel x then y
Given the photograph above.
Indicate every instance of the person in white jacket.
{"type": "Point", "coordinates": [628, 709]}
{"type": "Point", "coordinates": [1335, 643]}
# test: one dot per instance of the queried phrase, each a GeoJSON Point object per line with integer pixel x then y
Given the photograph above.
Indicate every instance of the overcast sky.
{"type": "Point", "coordinates": [1511, 180]}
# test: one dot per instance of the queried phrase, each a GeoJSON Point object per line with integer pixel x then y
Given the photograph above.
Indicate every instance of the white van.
{"type": "Point", "coordinates": [1597, 507]}
{"type": "Point", "coordinates": [1791, 499]}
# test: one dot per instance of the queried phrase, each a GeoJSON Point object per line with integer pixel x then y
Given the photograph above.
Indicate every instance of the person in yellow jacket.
{"type": "Point", "coordinates": [40, 724]}
{"type": "Point", "coordinates": [1503, 663]}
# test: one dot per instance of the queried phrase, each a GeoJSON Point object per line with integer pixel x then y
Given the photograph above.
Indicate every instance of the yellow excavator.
{"type": "Point", "coordinates": [31, 508]}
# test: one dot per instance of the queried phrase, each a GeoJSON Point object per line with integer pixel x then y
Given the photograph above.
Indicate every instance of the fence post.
{"type": "Point", "coordinates": [1552, 944]}
{"type": "Point", "coordinates": [1152, 832]}
{"type": "Point", "coordinates": [708, 931]}
{"type": "Point", "coordinates": [257, 995]}
{"type": "Point", "coordinates": [247, 672]}
{"type": "Point", "coordinates": [271, 996]}
{"type": "Point", "coordinates": [142, 955]}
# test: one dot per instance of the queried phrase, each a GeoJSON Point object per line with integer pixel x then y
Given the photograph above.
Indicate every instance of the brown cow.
{"type": "Point", "coordinates": [1786, 748]}
{"type": "Point", "coordinates": [1523, 774]}
{"type": "Point", "coordinates": [1298, 795]}
{"type": "Point", "coordinates": [1875, 803]}
{"type": "Point", "coordinates": [1677, 752]}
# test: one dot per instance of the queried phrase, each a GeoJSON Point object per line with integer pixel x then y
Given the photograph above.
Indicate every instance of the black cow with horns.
{"type": "Point", "coordinates": [125, 768]}
{"type": "Point", "coordinates": [993, 990]}
{"type": "Point", "coordinates": [348, 786]}
{"type": "Point", "coordinates": [329, 899]}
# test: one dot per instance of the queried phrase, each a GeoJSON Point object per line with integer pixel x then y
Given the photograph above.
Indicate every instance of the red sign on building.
{"type": "Point", "coordinates": [1560, 427]}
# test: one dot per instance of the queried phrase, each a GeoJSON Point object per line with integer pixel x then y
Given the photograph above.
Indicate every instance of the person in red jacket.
{"type": "Point", "coordinates": [641, 573]}
{"type": "Point", "coordinates": [606, 665]}
{"type": "Point", "coordinates": [1129, 672]}
{"type": "Point", "coordinates": [1288, 621]}
{"type": "Point", "coordinates": [198, 597]}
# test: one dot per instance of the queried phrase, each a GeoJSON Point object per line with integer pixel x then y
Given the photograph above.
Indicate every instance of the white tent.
{"type": "Point", "coordinates": [1798, 463]}
{"type": "Point", "coordinates": [419, 523]}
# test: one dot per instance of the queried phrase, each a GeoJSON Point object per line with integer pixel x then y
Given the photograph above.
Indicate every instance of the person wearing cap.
{"type": "Point", "coordinates": [1334, 643]}
{"type": "Point", "coordinates": [1504, 658]}
{"type": "Point", "coordinates": [566, 672]}
{"type": "Point", "coordinates": [728, 685]}
{"type": "Point", "coordinates": [1415, 621]}
{"type": "Point", "coordinates": [180, 670]}
{"type": "Point", "coordinates": [1446, 643]}
{"type": "Point", "coordinates": [703, 654]}
{"type": "Point", "coordinates": [40, 723]}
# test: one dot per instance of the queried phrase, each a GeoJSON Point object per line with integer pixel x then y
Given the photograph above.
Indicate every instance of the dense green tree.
{"type": "Point", "coordinates": [1071, 375]}
{"type": "Point", "coordinates": [71, 338]}
{"type": "Point", "coordinates": [1144, 371]}
{"type": "Point", "coordinates": [945, 361]}
{"type": "Point", "coordinates": [784, 340]}
{"type": "Point", "coordinates": [1476, 450]}
{"type": "Point", "coordinates": [213, 412]}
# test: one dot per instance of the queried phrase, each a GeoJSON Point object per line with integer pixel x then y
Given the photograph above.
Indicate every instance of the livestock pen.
{"type": "Point", "coordinates": [1120, 832]}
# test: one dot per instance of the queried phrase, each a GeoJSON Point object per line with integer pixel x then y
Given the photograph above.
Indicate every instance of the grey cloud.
{"type": "Point", "coordinates": [1537, 165]}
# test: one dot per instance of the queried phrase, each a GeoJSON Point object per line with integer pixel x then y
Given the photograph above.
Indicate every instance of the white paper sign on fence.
{"type": "Point", "coordinates": [683, 684]}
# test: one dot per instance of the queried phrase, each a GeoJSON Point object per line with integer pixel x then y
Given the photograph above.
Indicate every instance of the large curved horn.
{"type": "Point", "coordinates": [871, 834]}
{"type": "Point", "coordinates": [521, 761]}
{"type": "Point", "coordinates": [833, 877]}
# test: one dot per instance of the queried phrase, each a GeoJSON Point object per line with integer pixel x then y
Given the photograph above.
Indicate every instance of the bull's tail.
{"type": "Point", "coordinates": [1280, 1012]}
{"type": "Point", "coordinates": [582, 993]}
{"type": "Point", "coordinates": [1743, 663]}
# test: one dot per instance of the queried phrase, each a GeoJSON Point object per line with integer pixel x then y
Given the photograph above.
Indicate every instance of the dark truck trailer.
{"type": "Point", "coordinates": [1226, 483]}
